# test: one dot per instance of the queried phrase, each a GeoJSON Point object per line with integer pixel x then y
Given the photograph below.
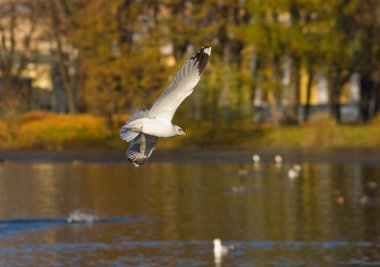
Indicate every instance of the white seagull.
{"type": "Point", "coordinates": [219, 249]}
{"type": "Point", "coordinates": [145, 127]}
{"type": "Point", "coordinates": [255, 158]}
{"type": "Point", "coordinates": [293, 173]}
{"type": "Point", "coordinates": [278, 159]}
{"type": "Point", "coordinates": [81, 217]}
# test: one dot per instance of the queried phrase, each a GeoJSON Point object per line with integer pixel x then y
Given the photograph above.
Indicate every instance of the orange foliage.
{"type": "Point", "coordinates": [53, 131]}
{"type": "Point", "coordinates": [56, 129]}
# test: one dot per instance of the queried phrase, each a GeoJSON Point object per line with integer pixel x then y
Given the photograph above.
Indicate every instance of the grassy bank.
{"type": "Point", "coordinates": [322, 134]}
{"type": "Point", "coordinates": [42, 130]}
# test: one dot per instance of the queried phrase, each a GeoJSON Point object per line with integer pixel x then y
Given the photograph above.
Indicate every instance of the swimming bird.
{"type": "Point", "coordinates": [297, 167]}
{"type": "Point", "coordinates": [81, 217]}
{"type": "Point", "coordinates": [219, 249]}
{"type": "Point", "coordinates": [293, 173]}
{"type": "Point", "coordinates": [255, 158]}
{"type": "Point", "coordinates": [278, 159]}
{"type": "Point", "coordinates": [145, 127]}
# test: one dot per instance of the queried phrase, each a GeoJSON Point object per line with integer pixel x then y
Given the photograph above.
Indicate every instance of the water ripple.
{"type": "Point", "coordinates": [21, 225]}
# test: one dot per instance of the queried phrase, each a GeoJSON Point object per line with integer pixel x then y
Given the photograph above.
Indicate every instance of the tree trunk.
{"type": "Point", "coordinates": [254, 66]}
{"type": "Point", "coordinates": [334, 98]}
{"type": "Point", "coordinates": [276, 110]}
{"type": "Point", "coordinates": [336, 109]}
{"type": "Point", "coordinates": [366, 86]}
{"type": "Point", "coordinates": [308, 94]}
{"type": "Point", "coordinates": [338, 78]}
{"type": "Point", "coordinates": [67, 82]}
{"type": "Point", "coordinates": [294, 97]}
{"type": "Point", "coordinates": [376, 90]}
{"type": "Point", "coordinates": [276, 105]}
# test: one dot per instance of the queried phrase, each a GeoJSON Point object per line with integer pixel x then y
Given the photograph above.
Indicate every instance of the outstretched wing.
{"type": "Point", "coordinates": [141, 148]}
{"type": "Point", "coordinates": [181, 87]}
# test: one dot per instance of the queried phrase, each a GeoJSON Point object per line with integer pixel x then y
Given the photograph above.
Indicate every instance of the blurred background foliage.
{"type": "Point", "coordinates": [113, 57]}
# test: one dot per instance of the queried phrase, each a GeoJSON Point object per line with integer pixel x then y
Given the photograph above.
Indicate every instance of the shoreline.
{"type": "Point", "coordinates": [191, 155]}
{"type": "Point", "coordinates": [52, 132]}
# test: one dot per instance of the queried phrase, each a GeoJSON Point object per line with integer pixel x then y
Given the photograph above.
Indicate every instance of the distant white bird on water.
{"type": "Point", "coordinates": [81, 217]}
{"type": "Point", "coordinates": [255, 158]}
{"type": "Point", "coordinates": [278, 159]}
{"type": "Point", "coordinates": [292, 173]}
{"type": "Point", "coordinates": [297, 167]}
{"type": "Point", "coordinates": [295, 171]}
{"type": "Point", "coordinates": [219, 249]}
{"type": "Point", "coordinates": [145, 127]}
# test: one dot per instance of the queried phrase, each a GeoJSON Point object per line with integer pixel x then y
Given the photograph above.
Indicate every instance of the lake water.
{"type": "Point", "coordinates": [166, 213]}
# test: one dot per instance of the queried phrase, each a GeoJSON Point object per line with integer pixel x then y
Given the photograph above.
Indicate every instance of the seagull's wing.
{"type": "Point", "coordinates": [181, 87]}
{"type": "Point", "coordinates": [141, 148]}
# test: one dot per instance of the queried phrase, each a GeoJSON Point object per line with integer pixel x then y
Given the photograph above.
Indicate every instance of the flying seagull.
{"type": "Point", "coordinates": [145, 127]}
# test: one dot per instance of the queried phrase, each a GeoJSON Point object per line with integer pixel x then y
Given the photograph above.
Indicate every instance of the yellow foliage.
{"type": "Point", "coordinates": [3, 130]}
{"type": "Point", "coordinates": [53, 131]}
{"type": "Point", "coordinates": [322, 119]}
{"type": "Point", "coordinates": [375, 120]}
{"type": "Point", "coordinates": [57, 129]}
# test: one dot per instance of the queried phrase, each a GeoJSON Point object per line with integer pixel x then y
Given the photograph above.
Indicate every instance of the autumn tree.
{"type": "Point", "coordinates": [268, 33]}
{"type": "Point", "coordinates": [19, 45]}
{"type": "Point", "coordinates": [65, 51]}
{"type": "Point", "coordinates": [367, 24]}
{"type": "Point", "coordinates": [120, 57]}
{"type": "Point", "coordinates": [341, 50]}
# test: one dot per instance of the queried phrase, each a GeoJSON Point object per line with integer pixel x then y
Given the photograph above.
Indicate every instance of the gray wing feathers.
{"type": "Point", "coordinates": [140, 114]}
{"type": "Point", "coordinates": [182, 86]}
{"type": "Point", "coordinates": [125, 133]}
{"type": "Point", "coordinates": [141, 148]}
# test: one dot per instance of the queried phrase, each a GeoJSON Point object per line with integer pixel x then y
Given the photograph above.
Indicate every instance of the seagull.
{"type": "Point", "coordinates": [145, 127]}
{"type": "Point", "coordinates": [80, 217]}
{"type": "Point", "coordinates": [293, 173]}
{"type": "Point", "coordinates": [255, 158]}
{"type": "Point", "coordinates": [297, 167]}
{"type": "Point", "coordinates": [278, 159]}
{"type": "Point", "coordinates": [219, 249]}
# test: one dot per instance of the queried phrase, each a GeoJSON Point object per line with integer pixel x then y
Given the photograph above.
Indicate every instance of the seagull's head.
{"type": "Point", "coordinates": [178, 131]}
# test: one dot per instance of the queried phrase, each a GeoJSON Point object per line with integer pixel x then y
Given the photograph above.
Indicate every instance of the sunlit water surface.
{"type": "Point", "coordinates": [166, 214]}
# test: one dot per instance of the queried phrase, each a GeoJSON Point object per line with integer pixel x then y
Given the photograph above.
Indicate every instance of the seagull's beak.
{"type": "Point", "coordinates": [185, 134]}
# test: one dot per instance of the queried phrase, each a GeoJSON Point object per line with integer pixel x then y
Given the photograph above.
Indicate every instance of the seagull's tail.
{"type": "Point", "coordinates": [126, 134]}
{"type": "Point", "coordinates": [131, 130]}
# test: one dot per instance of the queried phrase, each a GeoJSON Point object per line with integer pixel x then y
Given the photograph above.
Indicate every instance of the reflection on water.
{"type": "Point", "coordinates": [168, 214]}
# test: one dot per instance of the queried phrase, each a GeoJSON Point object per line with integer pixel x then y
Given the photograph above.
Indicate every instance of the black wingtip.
{"type": "Point", "coordinates": [201, 57]}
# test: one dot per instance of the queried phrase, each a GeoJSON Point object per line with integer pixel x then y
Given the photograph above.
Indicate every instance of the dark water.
{"type": "Point", "coordinates": [167, 214]}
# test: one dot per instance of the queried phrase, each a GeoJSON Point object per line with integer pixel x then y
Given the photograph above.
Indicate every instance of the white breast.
{"type": "Point", "coordinates": [158, 128]}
